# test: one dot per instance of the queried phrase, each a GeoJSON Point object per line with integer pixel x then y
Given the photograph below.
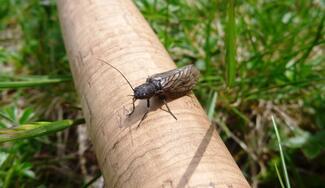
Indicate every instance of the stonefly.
{"type": "Point", "coordinates": [170, 83]}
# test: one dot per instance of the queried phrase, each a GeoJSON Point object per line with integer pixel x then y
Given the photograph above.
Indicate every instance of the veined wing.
{"type": "Point", "coordinates": [177, 80]}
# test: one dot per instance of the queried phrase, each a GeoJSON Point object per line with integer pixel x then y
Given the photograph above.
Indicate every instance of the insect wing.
{"type": "Point", "coordinates": [176, 81]}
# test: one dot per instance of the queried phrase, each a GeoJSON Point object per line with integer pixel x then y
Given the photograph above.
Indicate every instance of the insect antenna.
{"type": "Point", "coordinates": [117, 71]}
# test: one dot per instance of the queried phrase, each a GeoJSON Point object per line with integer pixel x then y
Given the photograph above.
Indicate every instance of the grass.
{"type": "Point", "coordinates": [285, 171]}
{"type": "Point", "coordinates": [33, 81]}
{"type": "Point", "coordinates": [212, 107]}
{"type": "Point", "coordinates": [258, 59]}
{"type": "Point", "coordinates": [35, 129]}
{"type": "Point", "coordinates": [230, 44]}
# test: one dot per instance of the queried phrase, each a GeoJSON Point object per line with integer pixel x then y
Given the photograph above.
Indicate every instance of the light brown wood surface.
{"type": "Point", "coordinates": [163, 152]}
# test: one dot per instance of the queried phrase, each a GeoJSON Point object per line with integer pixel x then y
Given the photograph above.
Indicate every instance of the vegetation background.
{"type": "Point", "coordinates": [259, 59]}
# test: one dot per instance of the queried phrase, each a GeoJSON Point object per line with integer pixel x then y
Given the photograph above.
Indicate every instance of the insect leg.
{"type": "Point", "coordinates": [133, 107]}
{"type": "Point", "coordinates": [145, 114]}
{"type": "Point", "coordinates": [168, 109]}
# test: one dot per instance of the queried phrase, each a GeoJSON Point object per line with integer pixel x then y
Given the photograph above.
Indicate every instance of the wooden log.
{"type": "Point", "coordinates": [162, 152]}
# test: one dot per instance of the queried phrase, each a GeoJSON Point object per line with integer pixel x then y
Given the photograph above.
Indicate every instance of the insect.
{"type": "Point", "coordinates": [170, 83]}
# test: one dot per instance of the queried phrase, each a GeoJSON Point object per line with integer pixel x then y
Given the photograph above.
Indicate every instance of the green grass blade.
{"type": "Point", "coordinates": [35, 129]}
{"type": "Point", "coordinates": [230, 44]}
{"type": "Point", "coordinates": [9, 177]}
{"type": "Point", "coordinates": [281, 154]}
{"type": "Point", "coordinates": [8, 119]}
{"type": "Point", "coordinates": [212, 105]}
{"type": "Point", "coordinates": [34, 81]}
{"type": "Point", "coordinates": [279, 175]}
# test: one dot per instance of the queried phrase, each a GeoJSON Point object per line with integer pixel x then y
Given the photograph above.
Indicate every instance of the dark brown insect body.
{"type": "Point", "coordinates": [174, 82]}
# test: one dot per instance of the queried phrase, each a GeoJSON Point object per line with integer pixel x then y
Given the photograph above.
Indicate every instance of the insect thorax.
{"type": "Point", "coordinates": [144, 91]}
